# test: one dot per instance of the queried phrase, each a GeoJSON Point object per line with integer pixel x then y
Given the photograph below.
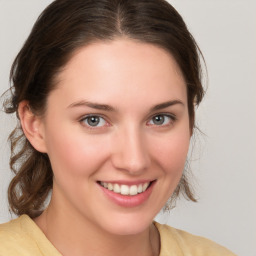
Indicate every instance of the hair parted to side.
{"type": "Point", "coordinates": [62, 28]}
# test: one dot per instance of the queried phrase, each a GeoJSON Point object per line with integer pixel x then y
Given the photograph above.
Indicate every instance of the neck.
{"type": "Point", "coordinates": [74, 235]}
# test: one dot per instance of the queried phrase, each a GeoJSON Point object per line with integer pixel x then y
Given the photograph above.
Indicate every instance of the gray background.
{"type": "Point", "coordinates": [223, 161]}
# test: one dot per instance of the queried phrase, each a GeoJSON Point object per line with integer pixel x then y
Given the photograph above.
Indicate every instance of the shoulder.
{"type": "Point", "coordinates": [184, 243]}
{"type": "Point", "coordinates": [18, 237]}
{"type": "Point", "coordinates": [13, 238]}
{"type": "Point", "coordinates": [24, 238]}
{"type": "Point", "coordinates": [12, 231]}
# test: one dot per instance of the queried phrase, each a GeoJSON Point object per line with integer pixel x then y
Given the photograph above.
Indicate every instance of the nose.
{"type": "Point", "coordinates": [130, 151]}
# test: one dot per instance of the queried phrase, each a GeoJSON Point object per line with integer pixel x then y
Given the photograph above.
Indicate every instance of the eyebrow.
{"type": "Point", "coordinates": [106, 107]}
{"type": "Point", "coordinates": [166, 104]}
{"type": "Point", "coordinates": [98, 106]}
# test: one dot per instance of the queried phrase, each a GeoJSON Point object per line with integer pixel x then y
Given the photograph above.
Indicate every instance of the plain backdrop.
{"type": "Point", "coordinates": [223, 160]}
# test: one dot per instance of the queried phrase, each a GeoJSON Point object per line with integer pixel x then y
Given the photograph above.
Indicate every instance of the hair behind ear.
{"type": "Point", "coordinates": [32, 182]}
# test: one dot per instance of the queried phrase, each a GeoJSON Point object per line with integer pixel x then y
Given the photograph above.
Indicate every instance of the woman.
{"type": "Point", "coordinates": [105, 93]}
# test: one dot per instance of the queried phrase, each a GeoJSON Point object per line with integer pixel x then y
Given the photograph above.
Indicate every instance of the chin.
{"type": "Point", "coordinates": [128, 224]}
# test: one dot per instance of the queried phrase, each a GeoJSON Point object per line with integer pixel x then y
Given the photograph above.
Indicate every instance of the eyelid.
{"type": "Point", "coordinates": [173, 118]}
{"type": "Point", "coordinates": [171, 115]}
{"type": "Point", "coordinates": [84, 117]}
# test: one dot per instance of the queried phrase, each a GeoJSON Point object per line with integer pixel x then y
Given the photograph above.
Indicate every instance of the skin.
{"type": "Point", "coordinates": [127, 145]}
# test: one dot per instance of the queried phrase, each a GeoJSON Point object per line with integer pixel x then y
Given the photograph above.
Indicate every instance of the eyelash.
{"type": "Point", "coordinates": [172, 119]}
{"type": "Point", "coordinates": [86, 118]}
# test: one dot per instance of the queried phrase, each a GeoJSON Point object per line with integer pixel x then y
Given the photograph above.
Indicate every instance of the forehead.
{"type": "Point", "coordinates": [121, 68]}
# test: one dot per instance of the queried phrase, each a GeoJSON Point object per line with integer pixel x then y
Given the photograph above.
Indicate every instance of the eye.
{"type": "Point", "coordinates": [161, 119]}
{"type": "Point", "coordinates": [94, 121]}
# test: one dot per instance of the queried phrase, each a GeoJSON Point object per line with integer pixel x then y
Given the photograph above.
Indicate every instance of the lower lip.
{"type": "Point", "coordinates": [129, 201]}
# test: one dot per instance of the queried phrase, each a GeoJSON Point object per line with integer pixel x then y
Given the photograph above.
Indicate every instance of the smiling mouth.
{"type": "Point", "coordinates": [126, 189]}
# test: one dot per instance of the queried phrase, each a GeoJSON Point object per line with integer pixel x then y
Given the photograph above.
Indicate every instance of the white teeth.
{"type": "Point", "coordinates": [117, 188]}
{"type": "Point", "coordinates": [125, 189]}
{"type": "Point", "coordinates": [133, 190]}
{"type": "Point", "coordinates": [140, 188]}
{"type": "Point", "coordinates": [110, 186]}
{"type": "Point", "coordinates": [145, 186]}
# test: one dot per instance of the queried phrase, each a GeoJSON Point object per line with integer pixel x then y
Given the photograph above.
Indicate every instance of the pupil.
{"type": "Point", "coordinates": [158, 119]}
{"type": "Point", "coordinates": [93, 121]}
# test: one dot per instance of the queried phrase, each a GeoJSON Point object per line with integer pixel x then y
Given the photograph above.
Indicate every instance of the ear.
{"type": "Point", "coordinates": [32, 126]}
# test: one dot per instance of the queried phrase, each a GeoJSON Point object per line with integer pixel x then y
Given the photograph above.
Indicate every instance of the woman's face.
{"type": "Point", "coordinates": [117, 134]}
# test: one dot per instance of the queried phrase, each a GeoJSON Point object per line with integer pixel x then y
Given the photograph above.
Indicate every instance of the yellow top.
{"type": "Point", "coordinates": [22, 237]}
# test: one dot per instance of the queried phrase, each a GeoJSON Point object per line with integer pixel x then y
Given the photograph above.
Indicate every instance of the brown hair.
{"type": "Point", "coordinates": [62, 28]}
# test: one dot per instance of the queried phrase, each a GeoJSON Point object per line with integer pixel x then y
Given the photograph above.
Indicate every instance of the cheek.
{"type": "Point", "coordinates": [75, 154]}
{"type": "Point", "coordinates": [172, 153]}
{"type": "Point", "coordinates": [170, 156]}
